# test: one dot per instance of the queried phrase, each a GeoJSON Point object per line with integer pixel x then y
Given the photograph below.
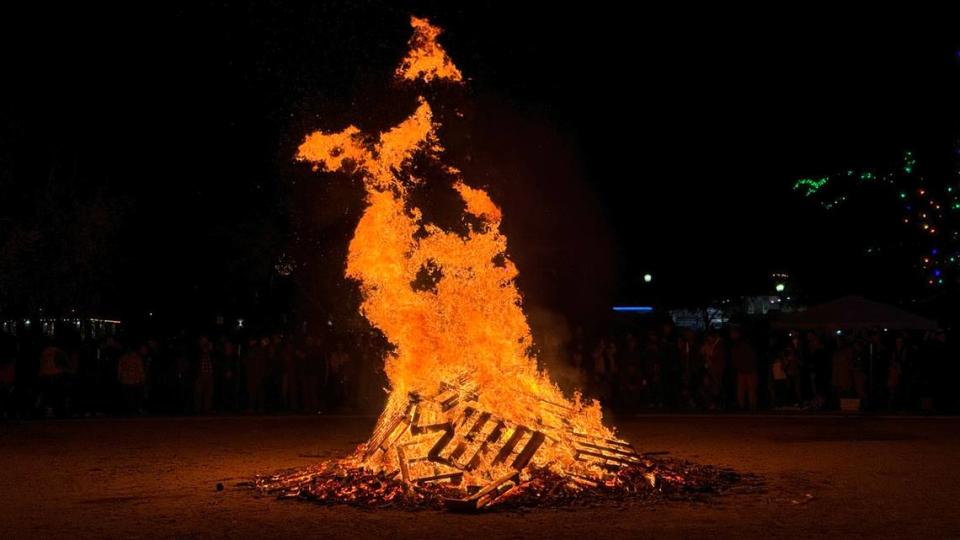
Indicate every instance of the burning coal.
{"type": "Point", "coordinates": [470, 417]}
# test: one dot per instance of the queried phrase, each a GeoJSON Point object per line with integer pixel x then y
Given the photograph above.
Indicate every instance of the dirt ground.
{"type": "Point", "coordinates": [156, 477]}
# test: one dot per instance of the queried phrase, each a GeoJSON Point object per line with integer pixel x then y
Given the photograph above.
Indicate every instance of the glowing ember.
{"type": "Point", "coordinates": [469, 409]}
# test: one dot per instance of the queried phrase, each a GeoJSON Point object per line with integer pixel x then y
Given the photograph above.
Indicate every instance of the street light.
{"type": "Point", "coordinates": [647, 278]}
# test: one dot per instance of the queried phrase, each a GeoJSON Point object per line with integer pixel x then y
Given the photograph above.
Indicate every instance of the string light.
{"type": "Point", "coordinates": [812, 185]}
{"type": "Point", "coordinates": [831, 191]}
{"type": "Point", "coordinates": [908, 162]}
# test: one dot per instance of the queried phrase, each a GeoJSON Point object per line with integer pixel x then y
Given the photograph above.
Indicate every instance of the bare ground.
{"type": "Point", "coordinates": [156, 477]}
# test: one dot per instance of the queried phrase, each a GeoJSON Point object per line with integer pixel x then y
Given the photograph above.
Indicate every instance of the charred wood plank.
{"type": "Point", "coordinates": [404, 465]}
{"type": "Point", "coordinates": [525, 455]}
{"type": "Point", "coordinates": [631, 453]}
{"type": "Point", "coordinates": [621, 461]}
{"type": "Point", "coordinates": [510, 444]}
{"type": "Point", "coordinates": [615, 442]}
{"type": "Point", "coordinates": [454, 478]}
{"type": "Point", "coordinates": [490, 440]}
{"type": "Point", "coordinates": [442, 442]}
{"type": "Point", "coordinates": [486, 495]}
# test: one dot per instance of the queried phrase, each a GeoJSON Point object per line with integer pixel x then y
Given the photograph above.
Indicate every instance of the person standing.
{"type": "Point", "coordinates": [744, 360]}
{"type": "Point", "coordinates": [690, 368]}
{"type": "Point", "coordinates": [53, 363]}
{"type": "Point", "coordinates": [714, 354]}
{"type": "Point", "coordinates": [599, 371]}
{"type": "Point", "coordinates": [254, 365]}
{"type": "Point", "coordinates": [203, 383]}
{"type": "Point", "coordinates": [632, 375]}
{"type": "Point", "coordinates": [8, 376]}
{"type": "Point", "coordinates": [899, 358]}
{"type": "Point", "coordinates": [612, 362]}
{"type": "Point", "coordinates": [132, 377]}
{"type": "Point", "coordinates": [226, 376]}
{"type": "Point", "coordinates": [289, 375]}
{"type": "Point", "coordinates": [778, 385]}
{"type": "Point", "coordinates": [842, 371]}
{"type": "Point", "coordinates": [819, 369]}
{"type": "Point", "coordinates": [793, 366]}
{"type": "Point", "coordinates": [311, 366]}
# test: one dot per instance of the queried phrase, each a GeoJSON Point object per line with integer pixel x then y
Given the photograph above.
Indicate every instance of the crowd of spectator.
{"type": "Point", "coordinates": [665, 367]}
{"type": "Point", "coordinates": [657, 367]}
{"type": "Point", "coordinates": [188, 374]}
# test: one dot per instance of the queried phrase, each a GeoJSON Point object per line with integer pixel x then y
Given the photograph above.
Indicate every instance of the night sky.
{"type": "Point", "coordinates": [618, 142]}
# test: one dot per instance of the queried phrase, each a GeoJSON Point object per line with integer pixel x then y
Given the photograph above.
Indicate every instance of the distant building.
{"type": "Point", "coordinates": [84, 327]}
{"type": "Point", "coordinates": [699, 319]}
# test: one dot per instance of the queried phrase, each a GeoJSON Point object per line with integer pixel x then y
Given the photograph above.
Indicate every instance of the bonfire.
{"type": "Point", "coordinates": [471, 420]}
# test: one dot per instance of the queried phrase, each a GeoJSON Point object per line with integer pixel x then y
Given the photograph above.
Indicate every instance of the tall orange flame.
{"type": "Point", "coordinates": [447, 302]}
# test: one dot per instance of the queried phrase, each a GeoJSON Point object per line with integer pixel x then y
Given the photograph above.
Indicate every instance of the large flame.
{"type": "Point", "coordinates": [447, 302]}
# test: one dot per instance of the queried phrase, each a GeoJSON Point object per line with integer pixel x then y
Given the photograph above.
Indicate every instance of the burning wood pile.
{"type": "Point", "coordinates": [427, 464]}
{"type": "Point", "coordinates": [471, 419]}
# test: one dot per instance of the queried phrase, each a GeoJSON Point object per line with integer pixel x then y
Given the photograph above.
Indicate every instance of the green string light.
{"type": "Point", "coordinates": [908, 162]}
{"type": "Point", "coordinates": [813, 185]}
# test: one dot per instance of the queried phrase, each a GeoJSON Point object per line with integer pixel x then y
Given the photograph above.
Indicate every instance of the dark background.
{"type": "Point", "coordinates": [146, 151]}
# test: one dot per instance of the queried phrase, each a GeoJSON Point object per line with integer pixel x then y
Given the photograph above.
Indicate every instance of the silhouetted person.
{"type": "Point", "coordinates": [842, 373]}
{"type": "Point", "coordinates": [254, 368]}
{"type": "Point", "coordinates": [691, 368]}
{"type": "Point", "coordinates": [793, 366]}
{"type": "Point", "coordinates": [311, 367]}
{"type": "Point", "coordinates": [778, 385]}
{"type": "Point", "coordinates": [108, 387]}
{"type": "Point", "coordinates": [899, 358]}
{"type": "Point", "coordinates": [653, 370]}
{"type": "Point", "coordinates": [340, 374]}
{"type": "Point", "coordinates": [861, 365]}
{"type": "Point", "coordinates": [819, 369]}
{"type": "Point", "coordinates": [227, 365]}
{"type": "Point", "coordinates": [930, 362]}
{"type": "Point", "coordinates": [714, 354]}
{"type": "Point", "coordinates": [183, 377]}
{"type": "Point", "coordinates": [631, 373]}
{"type": "Point", "coordinates": [744, 361]}
{"type": "Point", "coordinates": [53, 364]}
{"type": "Point", "coordinates": [203, 383]}
{"type": "Point", "coordinates": [599, 369]}
{"type": "Point", "coordinates": [670, 366]}
{"type": "Point", "coordinates": [132, 376]}
{"type": "Point", "coordinates": [612, 360]}
{"type": "Point", "coordinates": [577, 353]}
{"type": "Point", "coordinates": [289, 376]}
{"type": "Point", "coordinates": [8, 376]}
